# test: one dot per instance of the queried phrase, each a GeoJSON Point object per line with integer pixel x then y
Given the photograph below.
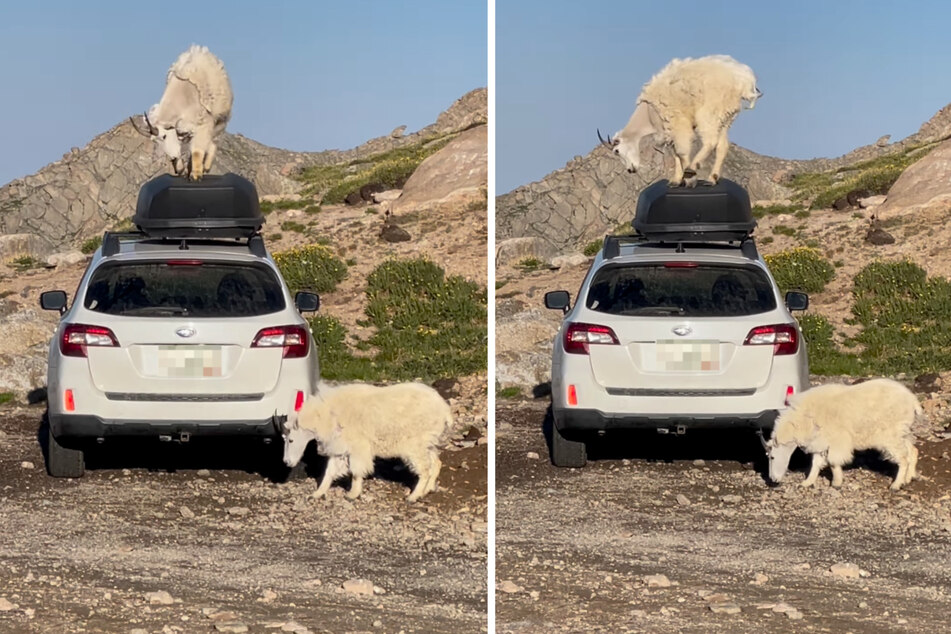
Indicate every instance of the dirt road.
{"type": "Point", "coordinates": [234, 550]}
{"type": "Point", "coordinates": [580, 550]}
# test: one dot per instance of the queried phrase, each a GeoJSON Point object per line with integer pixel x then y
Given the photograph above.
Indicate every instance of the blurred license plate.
{"type": "Point", "coordinates": [186, 362]}
{"type": "Point", "coordinates": [692, 356]}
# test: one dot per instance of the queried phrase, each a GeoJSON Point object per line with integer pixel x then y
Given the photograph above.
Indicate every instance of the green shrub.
{"type": "Point", "coordinates": [290, 225]}
{"type": "Point", "coordinates": [824, 356]}
{"type": "Point", "coordinates": [530, 264]}
{"type": "Point", "coordinates": [802, 268]}
{"type": "Point", "coordinates": [313, 267]}
{"type": "Point", "coordinates": [312, 209]}
{"type": "Point", "coordinates": [90, 245]}
{"type": "Point", "coordinates": [761, 211]}
{"type": "Point", "coordinates": [337, 363]}
{"type": "Point", "coordinates": [509, 392]}
{"type": "Point", "coordinates": [25, 263]}
{"type": "Point", "coordinates": [6, 397]}
{"type": "Point", "coordinates": [267, 206]}
{"type": "Point", "coordinates": [593, 247]}
{"type": "Point", "coordinates": [784, 230]}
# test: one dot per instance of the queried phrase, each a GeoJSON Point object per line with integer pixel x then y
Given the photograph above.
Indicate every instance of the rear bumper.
{"type": "Point", "coordinates": [87, 426]}
{"type": "Point", "coordinates": [593, 420]}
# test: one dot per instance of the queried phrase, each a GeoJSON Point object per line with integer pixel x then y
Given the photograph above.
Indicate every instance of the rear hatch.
{"type": "Point", "coordinates": [683, 327]}
{"type": "Point", "coordinates": [187, 327]}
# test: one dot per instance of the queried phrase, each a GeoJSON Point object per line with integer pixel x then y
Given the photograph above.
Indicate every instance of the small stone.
{"type": "Point", "coordinates": [783, 608]}
{"type": "Point", "coordinates": [186, 512]}
{"type": "Point", "coordinates": [639, 614]}
{"type": "Point", "coordinates": [845, 570]}
{"type": "Point", "coordinates": [231, 626]}
{"type": "Point", "coordinates": [358, 586]}
{"type": "Point", "coordinates": [138, 630]}
{"type": "Point", "coordinates": [731, 499]}
{"type": "Point", "coordinates": [159, 598]}
{"type": "Point", "coordinates": [240, 511]}
{"type": "Point", "coordinates": [657, 581]}
{"type": "Point", "coordinates": [510, 587]}
{"type": "Point", "coordinates": [699, 462]}
{"type": "Point", "coordinates": [531, 455]}
{"type": "Point", "coordinates": [5, 605]}
{"type": "Point", "coordinates": [724, 608]}
{"type": "Point", "coordinates": [863, 605]}
{"type": "Point", "coordinates": [26, 464]}
{"type": "Point", "coordinates": [682, 500]}
{"type": "Point", "coordinates": [759, 579]}
{"type": "Point", "coordinates": [717, 597]}
{"type": "Point", "coordinates": [535, 595]}
{"type": "Point", "coordinates": [794, 615]}
{"type": "Point", "coordinates": [203, 473]}
{"type": "Point", "coordinates": [268, 595]}
{"type": "Point", "coordinates": [292, 626]}
{"type": "Point", "coordinates": [378, 623]}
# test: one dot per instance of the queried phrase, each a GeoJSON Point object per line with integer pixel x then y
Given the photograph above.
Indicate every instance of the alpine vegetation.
{"type": "Point", "coordinates": [192, 113]}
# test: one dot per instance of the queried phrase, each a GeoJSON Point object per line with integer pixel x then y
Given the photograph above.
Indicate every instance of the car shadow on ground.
{"type": "Point", "coordinates": [248, 455]}
{"type": "Point", "coordinates": [740, 445]}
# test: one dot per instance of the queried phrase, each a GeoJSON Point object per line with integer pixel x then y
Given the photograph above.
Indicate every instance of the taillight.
{"type": "Point", "coordinates": [77, 337]}
{"type": "Point", "coordinates": [579, 336]}
{"type": "Point", "coordinates": [783, 337]}
{"type": "Point", "coordinates": [292, 338]}
{"type": "Point", "coordinates": [298, 401]}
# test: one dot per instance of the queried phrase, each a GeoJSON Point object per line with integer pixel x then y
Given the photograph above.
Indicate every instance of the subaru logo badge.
{"type": "Point", "coordinates": [185, 332]}
{"type": "Point", "coordinates": [682, 331]}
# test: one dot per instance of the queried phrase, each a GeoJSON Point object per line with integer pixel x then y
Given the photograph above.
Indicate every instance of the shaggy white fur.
{"type": "Point", "coordinates": [703, 94]}
{"type": "Point", "coordinates": [833, 421]}
{"type": "Point", "coordinates": [193, 111]}
{"type": "Point", "coordinates": [355, 423]}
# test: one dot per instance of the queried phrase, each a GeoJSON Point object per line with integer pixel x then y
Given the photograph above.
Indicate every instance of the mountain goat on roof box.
{"type": "Point", "coordinates": [193, 111]}
{"type": "Point", "coordinates": [355, 423]}
{"type": "Point", "coordinates": [832, 421]}
{"type": "Point", "coordinates": [703, 94]}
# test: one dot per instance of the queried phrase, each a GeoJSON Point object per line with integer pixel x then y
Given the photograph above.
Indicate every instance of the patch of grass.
{"type": "Point", "coordinates": [802, 269]}
{"type": "Point", "coordinates": [530, 264]}
{"type": "Point", "coordinates": [593, 247]}
{"type": "Point", "coordinates": [784, 230]}
{"type": "Point", "coordinates": [6, 397]}
{"type": "Point", "coordinates": [428, 326]}
{"type": "Point", "coordinates": [90, 245]}
{"type": "Point", "coordinates": [500, 283]}
{"type": "Point", "coordinates": [761, 211]}
{"type": "Point", "coordinates": [351, 262]}
{"type": "Point", "coordinates": [311, 268]}
{"type": "Point", "coordinates": [312, 209]}
{"type": "Point", "coordinates": [509, 392]}
{"type": "Point", "coordinates": [391, 169]}
{"type": "Point", "coordinates": [267, 206]}
{"type": "Point", "coordinates": [371, 211]}
{"type": "Point", "coordinates": [290, 225]}
{"type": "Point", "coordinates": [803, 213]}
{"type": "Point", "coordinates": [766, 240]}
{"type": "Point", "coordinates": [25, 263]}
{"type": "Point", "coordinates": [876, 175]}
{"type": "Point", "coordinates": [276, 236]}
{"type": "Point", "coordinates": [824, 357]}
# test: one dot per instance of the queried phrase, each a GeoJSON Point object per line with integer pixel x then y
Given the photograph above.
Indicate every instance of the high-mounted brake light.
{"type": "Point", "coordinates": [77, 337]}
{"type": "Point", "coordinates": [184, 262]}
{"type": "Point", "coordinates": [579, 336]}
{"type": "Point", "coordinates": [783, 337]}
{"type": "Point", "coordinates": [292, 338]}
{"type": "Point", "coordinates": [680, 265]}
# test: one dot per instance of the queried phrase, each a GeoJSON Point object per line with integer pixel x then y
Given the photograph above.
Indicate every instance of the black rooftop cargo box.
{"type": "Point", "coordinates": [703, 213]}
{"type": "Point", "coordinates": [218, 206]}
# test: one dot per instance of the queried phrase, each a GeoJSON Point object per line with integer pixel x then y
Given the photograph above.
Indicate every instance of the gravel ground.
{"type": "Point", "coordinates": [684, 534]}
{"type": "Point", "coordinates": [202, 538]}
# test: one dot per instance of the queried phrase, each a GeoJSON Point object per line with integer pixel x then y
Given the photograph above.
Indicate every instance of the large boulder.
{"type": "Point", "coordinates": [925, 184]}
{"type": "Point", "coordinates": [454, 176]}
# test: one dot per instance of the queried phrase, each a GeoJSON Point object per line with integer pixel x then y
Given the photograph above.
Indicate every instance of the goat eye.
{"type": "Point", "coordinates": [617, 151]}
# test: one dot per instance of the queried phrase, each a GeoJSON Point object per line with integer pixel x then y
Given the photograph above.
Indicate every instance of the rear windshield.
{"type": "Point", "coordinates": [691, 289]}
{"type": "Point", "coordinates": [164, 289]}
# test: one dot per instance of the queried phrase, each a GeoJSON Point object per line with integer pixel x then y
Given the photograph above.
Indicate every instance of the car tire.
{"type": "Point", "coordinates": [567, 453]}
{"type": "Point", "coordinates": [62, 462]}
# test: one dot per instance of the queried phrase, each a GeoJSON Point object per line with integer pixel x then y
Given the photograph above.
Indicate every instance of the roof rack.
{"type": "Point", "coordinates": [612, 245]}
{"type": "Point", "coordinates": [111, 241]}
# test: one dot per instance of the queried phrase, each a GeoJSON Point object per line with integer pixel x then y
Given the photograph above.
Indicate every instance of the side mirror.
{"type": "Point", "coordinates": [797, 301]}
{"type": "Point", "coordinates": [558, 300]}
{"type": "Point", "coordinates": [307, 302]}
{"type": "Point", "coordinates": [53, 300]}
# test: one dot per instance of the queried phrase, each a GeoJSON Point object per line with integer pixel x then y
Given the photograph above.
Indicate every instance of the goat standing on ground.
{"type": "Point", "coordinates": [703, 94]}
{"type": "Point", "coordinates": [193, 111]}
{"type": "Point", "coordinates": [833, 421]}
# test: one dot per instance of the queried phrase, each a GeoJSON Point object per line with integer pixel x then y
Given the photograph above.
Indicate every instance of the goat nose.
{"type": "Point", "coordinates": [632, 170]}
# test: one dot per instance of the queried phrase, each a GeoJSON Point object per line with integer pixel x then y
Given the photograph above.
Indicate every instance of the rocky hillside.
{"type": "Point", "coordinates": [93, 188]}
{"type": "Point", "coordinates": [593, 194]}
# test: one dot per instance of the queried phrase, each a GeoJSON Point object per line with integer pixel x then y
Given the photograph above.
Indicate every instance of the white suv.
{"type": "Point", "coordinates": [174, 337]}
{"type": "Point", "coordinates": [675, 333]}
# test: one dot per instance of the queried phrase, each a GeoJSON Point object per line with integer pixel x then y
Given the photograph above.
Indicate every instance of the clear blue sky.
{"type": "Point", "coordinates": [835, 74]}
{"type": "Point", "coordinates": [307, 75]}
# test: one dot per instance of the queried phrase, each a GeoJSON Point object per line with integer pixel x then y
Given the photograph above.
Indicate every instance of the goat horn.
{"type": "Point", "coordinates": [152, 128]}
{"type": "Point", "coordinates": [762, 439]}
{"type": "Point", "coordinates": [608, 143]}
